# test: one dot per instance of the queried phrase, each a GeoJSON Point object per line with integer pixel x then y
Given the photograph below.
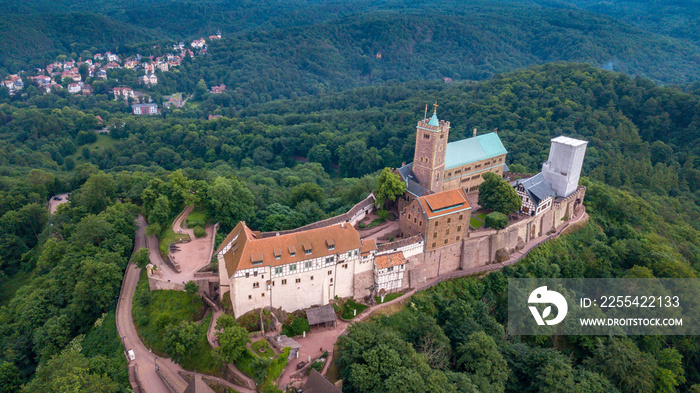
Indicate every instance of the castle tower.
{"type": "Point", "coordinates": [563, 167]}
{"type": "Point", "coordinates": [429, 156]}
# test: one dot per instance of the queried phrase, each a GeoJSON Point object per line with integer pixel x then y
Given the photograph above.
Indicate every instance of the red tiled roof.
{"type": "Point", "coordinates": [444, 202]}
{"type": "Point", "coordinates": [321, 242]}
{"type": "Point", "coordinates": [388, 260]}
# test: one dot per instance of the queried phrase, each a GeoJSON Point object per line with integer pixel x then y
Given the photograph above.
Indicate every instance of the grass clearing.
{"type": "Point", "coordinates": [346, 310]}
{"type": "Point", "coordinates": [262, 348]}
{"type": "Point", "coordinates": [168, 237]}
{"type": "Point", "coordinates": [389, 297]}
{"type": "Point", "coordinates": [197, 217]}
{"type": "Point", "coordinates": [475, 223]}
{"type": "Point", "coordinates": [103, 142]}
{"type": "Point", "coordinates": [481, 216]}
{"type": "Point", "coordinates": [333, 372]}
{"type": "Point", "coordinates": [154, 311]}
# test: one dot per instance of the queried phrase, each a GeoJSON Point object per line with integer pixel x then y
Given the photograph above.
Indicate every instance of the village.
{"type": "Point", "coordinates": [76, 76]}
{"type": "Point", "coordinates": [341, 270]}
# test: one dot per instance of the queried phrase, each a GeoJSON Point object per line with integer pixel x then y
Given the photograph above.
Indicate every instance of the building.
{"type": "Point", "coordinates": [389, 271]}
{"type": "Point", "coordinates": [151, 79]}
{"type": "Point", "coordinates": [317, 383]}
{"type": "Point", "coordinates": [441, 218]}
{"type": "Point", "coordinates": [292, 271]}
{"type": "Point", "coordinates": [123, 92]}
{"type": "Point", "coordinates": [74, 88]}
{"type": "Point", "coordinates": [199, 43]}
{"type": "Point", "coordinates": [144, 109]}
{"type": "Point", "coordinates": [536, 194]}
{"type": "Point", "coordinates": [438, 165]}
{"type": "Point", "coordinates": [563, 167]}
{"type": "Point", "coordinates": [218, 89]}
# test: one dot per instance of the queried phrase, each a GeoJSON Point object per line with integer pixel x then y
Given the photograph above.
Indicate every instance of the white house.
{"type": "Point", "coordinates": [536, 194]}
{"type": "Point", "coordinates": [389, 271]}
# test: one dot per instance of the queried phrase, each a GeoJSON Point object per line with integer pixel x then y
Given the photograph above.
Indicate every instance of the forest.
{"type": "Point", "coordinates": [288, 162]}
{"type": "Point", "coordinates": [312, 47]}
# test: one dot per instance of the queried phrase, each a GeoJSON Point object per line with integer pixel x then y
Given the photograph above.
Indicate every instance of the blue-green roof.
{"type": "Point", "coordinates": [434, 120]}
{"type": "Point", "coordinates": [473, 149]}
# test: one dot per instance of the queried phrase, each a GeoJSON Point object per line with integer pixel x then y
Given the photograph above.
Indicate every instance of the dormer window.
{"type": "Point", "coordinates": [256, 259]}
{"type": "Point", "coordinates": [307, 248]}
{"type": "Point", "coordinates": [292, 251]}
{"type": "Point", "coordinates": [330, 243]}
{"type": "Point", "coordinates": [277, 252]}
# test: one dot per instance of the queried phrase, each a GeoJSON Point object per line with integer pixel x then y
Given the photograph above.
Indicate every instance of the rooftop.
{"type": "Point", "coordinates": [565, 140]}
{"type": "Point", "coordinates": [473, 149]}
{"type": "Point", "coordinates": [388, 260]}
{"type": "Point", "coordinates": [444, 202]}
{"type": "Point", "coordinates": [537, 187]}
{"type": "Point", "coordinates": [249, 249]}
{"type": "Point", "coordinates": [412, 184]}
{"type": "Point", "coordinates": [318, 315]}
{"type": "Point", "coordinates": [317, 383]}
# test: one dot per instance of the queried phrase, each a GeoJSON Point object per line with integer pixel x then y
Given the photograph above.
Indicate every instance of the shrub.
{"type": "Point", "coordinates": [496, 220]}
{"type": "Point", "coordinates": [199, 232]}
{"type": "Point", "coordinates": [382, 214]}
{"type": "Point", "coordinates": [317, 365]}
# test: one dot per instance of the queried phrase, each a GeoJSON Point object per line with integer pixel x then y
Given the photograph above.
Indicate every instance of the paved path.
{"type": "Point", "coordinates": [145, 360]}
{"type": "Point", "coordinates": [192, 255]}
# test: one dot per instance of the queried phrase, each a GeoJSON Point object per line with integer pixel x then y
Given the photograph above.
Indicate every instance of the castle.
{"type": "Point", "coordinates": [312, 265]}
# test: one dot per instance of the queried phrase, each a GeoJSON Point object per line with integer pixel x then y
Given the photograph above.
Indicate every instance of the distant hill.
{"type": "Point", "coordinates": [37, 39]}
{"type": "Point", "coordinates": [390, 46]}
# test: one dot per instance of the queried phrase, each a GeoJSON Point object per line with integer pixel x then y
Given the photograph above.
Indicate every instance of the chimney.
{"type": "Point", "coordinates": [495, 130]}
{"type": "Point", "coordinates": [474, 131]}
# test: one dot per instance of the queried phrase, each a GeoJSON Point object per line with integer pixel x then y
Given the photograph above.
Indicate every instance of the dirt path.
{"type": "Point", "coordinates": [53, 204]}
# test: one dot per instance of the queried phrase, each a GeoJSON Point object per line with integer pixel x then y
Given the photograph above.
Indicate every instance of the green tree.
{"type": "Point", "coordinates": [72, 372]}
{"type": "Point", "coordinates": [480, 359]}
{"type": "Point", "coordinates": [625, 365]}
{"type": "Point", "coordinates": [140, 258]}
{"type": "Point", "coordinates": [320, 153]}
{"type": "Point", "coordinates": [389, 187]}
{"type": "Point", "coordinates": [232, 340]}
{"type": "Point", "coordinates": [306, 192]}
{"type": "Point", "coordinates": [191, 288]}
{"type": "Point", "coordinates": [496, 220]}
{"type": "Point", "coordinates": [230, 201]}
{"type": "Point", "coordinates": [181, 339]}
{"type": "Point", "coordinates": [10, 380]}
{"type": "Point", "coordinates": [260, 367]}
{"type": "Point", "coordinates": [160, 213]}
{"type": "Point", "coordinates": [497, 195]}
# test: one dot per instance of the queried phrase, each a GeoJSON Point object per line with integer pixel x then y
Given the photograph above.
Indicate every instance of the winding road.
{"type": "Point", "coordinates": [145, 360]}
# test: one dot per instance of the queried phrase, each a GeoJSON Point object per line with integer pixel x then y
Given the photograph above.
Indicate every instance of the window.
{"type": "Point", "coordinates": [433, 244]}
{"type": "Point", "coordinates": [442, 136]}
{"type": "Point", "coordinates": [414, 220]}
{"type": "Point", "coordinates": [331, 247]}
{"type": "Point", "coordinates": [345, 266]}
{"type": "Point", "coordinates": [457, 238]}
{"type": "Point", "coordinates": [284, 282]}
{"type": "Point", "coordinates": [247, 274]}
{"type": "Point", "coordinates": [278, 257]}
{"type": "Point", "coordinates": [292, 267]}
{"type": "Point", "coordinates": [449, 220]}
{"type": "Point", "coordinates": [409, 216]}
{"type": "Point", "coordinates": [331, 280]}
{"type": "Point", "coordinates": [390, 269]}
{"type": "Point", "coordinates": [330, 272]}
{"type": "Point", "coordinates": [312, 278]}
{"type": "Point", "coordinates": [420, 223]}
{"type": "Point", "coordinates": [436, 223]}
{"type": "Point", "coordinates": [291, 254]}
{"type": "Point", "coordinates": [459, 228]}
{"type": "Point", "coordinates": [330, 259]}
{"type": "Point", "coordinates": [356, 252]}
{"type": "Point", "coordinates": [255, 274]}
{"type": "Point", "coordinates": [349, 253]}
{"type": "Point", "coordinates": [308, 252]}
{"type": "Point", "coordinates": [273, 283]}
{"type": "Point", "coordinates": [279, 270]}
{"type": "Point", "coordinates": [468, 169]}
{"type": "Point", "coordinates": [477, 166]}
{"type": "Point", "coordinates": [434, 235]}
{"type": "Point", "coordinates": [426, 136]}
{"type": "Point", "coordinates": [445, 241]}
{"type": "Point", "coordinates": [308, 264]}
{"type": "Point", "coordinates": [487, 163]}
{"type": "Point", "coordinates": [262, 294]}
{"type": "Point", "coordinates": [298, 280]}
{"type": "Point", "coordinates": [250, 296]}
{"type": "Point", "coordinates": [447, 231]}
{"type": "Point", "coordinates": [256, 285]}
{"type": "Point", "coordinates": [461, 217]}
